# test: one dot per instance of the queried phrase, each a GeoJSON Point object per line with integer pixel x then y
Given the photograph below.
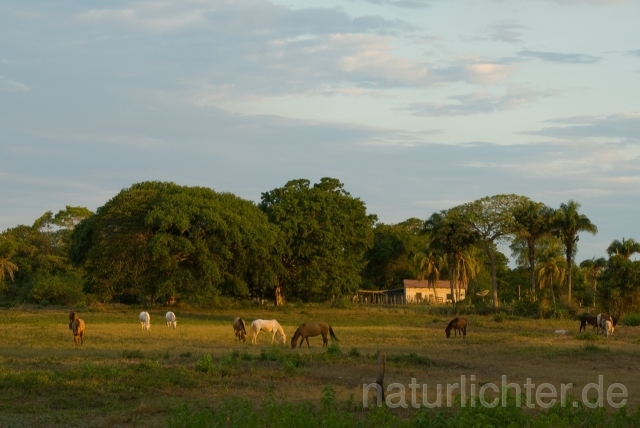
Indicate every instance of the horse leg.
{"type": "Point", "coordinates": [325, 341]}
{"type": "Point", "coordinates": [307, 342]}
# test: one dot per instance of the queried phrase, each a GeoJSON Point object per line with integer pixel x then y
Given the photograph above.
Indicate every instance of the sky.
{"type": "Point", "coordinates": [415, 105]}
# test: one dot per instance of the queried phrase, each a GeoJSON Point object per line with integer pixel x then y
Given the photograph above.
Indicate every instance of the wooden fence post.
{"type": "Point", "coordinates": [380, 379]}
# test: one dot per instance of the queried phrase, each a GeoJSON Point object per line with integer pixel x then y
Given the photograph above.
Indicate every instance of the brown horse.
{"type": "Point", "coordinates": [586, 319]}
{"type": "Point", "coordinates": [72, 317]}
{"type": "Point", "coordinates": [458, 325]}
{"type": "Point", "coordinates": [77, 326]}
{"type": "Point", "coordinates": [313, 329]}
{"type": "Point", "coordinates": [239, 329]}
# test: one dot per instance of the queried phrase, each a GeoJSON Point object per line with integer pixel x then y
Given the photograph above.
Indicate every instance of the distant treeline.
{"type": "Point", "coordinates": [158, 242]}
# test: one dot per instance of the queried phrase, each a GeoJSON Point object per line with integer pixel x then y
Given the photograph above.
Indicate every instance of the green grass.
{"type": "Point", "coordinates": [123, 376]}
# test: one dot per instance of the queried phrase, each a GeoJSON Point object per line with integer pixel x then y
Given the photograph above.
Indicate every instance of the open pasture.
{"type": "Point", "coordinates": [124, 376]}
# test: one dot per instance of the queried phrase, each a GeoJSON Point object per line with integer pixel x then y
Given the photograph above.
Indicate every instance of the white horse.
{"type": "Point", "coordinates": [145, 321]}
{"type": "Point", "coordinates": [601, 318]}
{"type": "Point", "coordinates": [268, 326]}
{"type": "Point", "coordinates": [171, 320]}
{"type": "Point", "coordinates": [607, 327]}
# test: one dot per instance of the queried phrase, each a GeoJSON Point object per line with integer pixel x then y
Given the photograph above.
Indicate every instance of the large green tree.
{"type": "Point", "coordinates": [532, 221]}
{"type": "Point", "coordinates": [160, 239]}
{"type": "Point", "coordinates": [619, 286]}
{"type": "Point", "coordinates": [41, 252]}
{"type": "Point", "coordinates": [391, 259]}
{"type": "Point", "coordinates": [491, 218]}
{"type": "Point", "coordinates": [569, 223]}
{"type": "Point", "coordinates": [327, 233]}
{"type": "Point", "coordinates": [551, 270]}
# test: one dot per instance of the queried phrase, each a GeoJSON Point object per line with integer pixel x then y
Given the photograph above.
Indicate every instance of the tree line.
{"type": "Point", "coordinates": [159, 241]}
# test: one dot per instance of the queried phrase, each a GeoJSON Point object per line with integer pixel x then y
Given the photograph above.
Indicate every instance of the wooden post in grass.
{"type": "Point", "coordinates": [380, 379]}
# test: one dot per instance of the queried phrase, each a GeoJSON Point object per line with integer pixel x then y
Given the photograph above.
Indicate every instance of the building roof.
{"type": "Point", "coordinates": [414, 283]}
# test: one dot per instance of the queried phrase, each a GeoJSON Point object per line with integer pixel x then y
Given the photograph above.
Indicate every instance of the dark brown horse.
{"type": "Point", "coordinates": [458, 325]}
{"type": "Point", "coordinates": [72, 317]}
{"type": "Point", "coordinates": [307, 330]}
{"type": "Point", "coordinates": [587, 319]}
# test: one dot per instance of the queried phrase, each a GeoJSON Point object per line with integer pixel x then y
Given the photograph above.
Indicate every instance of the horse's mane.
{"type": "Point", "coordinates": [450, 326]}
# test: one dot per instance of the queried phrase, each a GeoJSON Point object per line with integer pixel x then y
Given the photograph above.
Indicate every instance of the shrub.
{"type": "Point", "coordinates": [412, 359]}
{"type": "Point", "coordinates": [205, 363]}
{"type": "Point", "coordinates": [354, 353]}
{"type": "Point", "coordinates": [499, 317]}
{"type": "Point", "coordinates": [632, 319]}
{"type": "Point", "coordinates": [334, 349]}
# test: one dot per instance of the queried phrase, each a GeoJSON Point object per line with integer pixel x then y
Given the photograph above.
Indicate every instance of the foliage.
{"type": "Point", "coordinates": [491, 218]}
{"type": "Point", "coordinates": [326, 233]}
{"type": "Point", "coordinates": [453, 238]}
{"type": "Point", "coordinates": [625, 248]}
{"type": "Point", "coordinates": [158, 238]}
{"type": "Point", "coordinates": [205, 363]}
{"type": "Point", "coordinates": [390, 259]}
{"type": "Point", "coordinates": [619, 290]}
{"type": "Point", "coordinates": [40, 257]}
{"type": "Point", "coordinates": [632, 319]}
{"type": "Point", "coordinates": [532, 221]}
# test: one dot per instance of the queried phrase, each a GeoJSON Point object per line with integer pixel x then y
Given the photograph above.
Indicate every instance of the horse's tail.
{"type": "Point", "coordinates": [243, 325]}
{"type": "Point", "coordinates": [333, 336]}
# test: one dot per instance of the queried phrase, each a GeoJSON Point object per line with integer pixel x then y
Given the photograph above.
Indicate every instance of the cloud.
{"type": "Point", "coordinates": [618, 127]}
{"type": "Point", "coordinates": [9, 85]}
{"type": "Point", "coordinates": [636, 52]}
{"type": "Point", "coordinates": [506, 31]}
{"type": "Point", "coordinates": [408, 4]}
{"type": "Point", "coordinates": [479, 102]}
{"type": "Point", "coordinates": [560, 58]}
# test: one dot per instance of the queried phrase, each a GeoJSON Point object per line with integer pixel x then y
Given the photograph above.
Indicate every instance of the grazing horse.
{"type": "Point", "coordinates": [72, 317]}
{"type": "Point", "coordinates": [607, 327]}
{"type": "Point", "coordinates": [77, 326]}
{"type": "Point", "coordinates": [268, 326]}
{"type": "Point", "coordinates": [170, 317]}
{"type": "Point", "coordinates": [239, 329]}
{"type": "Point", "coordinates": [603, 317]}
{"type": "Point", "coordinates": [145, 321]}
{"type": "Point", "coordinates": [307, 330]}
{"type": "Point", "coordinates": [586, 319]}
{"type": "Point", "coordinates": [458, 325]}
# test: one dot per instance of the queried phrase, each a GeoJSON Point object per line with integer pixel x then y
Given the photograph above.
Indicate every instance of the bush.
{"type": "Point", "coordinates": [499, 317]}
{"type": "Point", "coordinates": [58, 289]}
{"type": "Point", "coordinates": [334, 349]}
{"type": "Point", "coordinates": [410, 359]}
{"type": "Point", "coordinates": [354, 353]}
{"type": "Point", "coordinates": [632, 319]}
{"type": "Point", "coordinates": [205, 363]}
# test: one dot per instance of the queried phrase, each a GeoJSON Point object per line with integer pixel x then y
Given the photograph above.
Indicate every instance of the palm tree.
{"type": "Point", "coordinates": [569, 223]}
{"type": "Point", "coordinates": [6, 266]}
{"type": "Point", "coordinates": [428, 265]}
{"type": "Point", "coordinates": [626, 248]}
{"type": "Point", "coordinates": [592, 268]}
{"type": "Point", "coordinates": [533, 220]}
{"type": "Point", "coordinates": [551, 269]}
{"type": "Point", "coordinates": [467, 268]}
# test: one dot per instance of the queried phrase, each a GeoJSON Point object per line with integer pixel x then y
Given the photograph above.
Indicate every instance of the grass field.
{"type": "Point", "coordinates": [123, 376]}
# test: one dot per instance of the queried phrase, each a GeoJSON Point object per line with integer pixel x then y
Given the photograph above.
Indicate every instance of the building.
{"type": "Point", "coordinates": [422, 292]}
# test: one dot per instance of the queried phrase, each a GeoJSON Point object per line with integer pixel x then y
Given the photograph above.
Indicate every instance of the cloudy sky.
{"type": "Point", "coordinates": [416, 105]}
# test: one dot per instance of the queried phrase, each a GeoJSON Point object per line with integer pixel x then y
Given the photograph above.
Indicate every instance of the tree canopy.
{"type": "Point", "coordinates": [159, 238]}
{"type": "Point", "coordinates": [326, 234]}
